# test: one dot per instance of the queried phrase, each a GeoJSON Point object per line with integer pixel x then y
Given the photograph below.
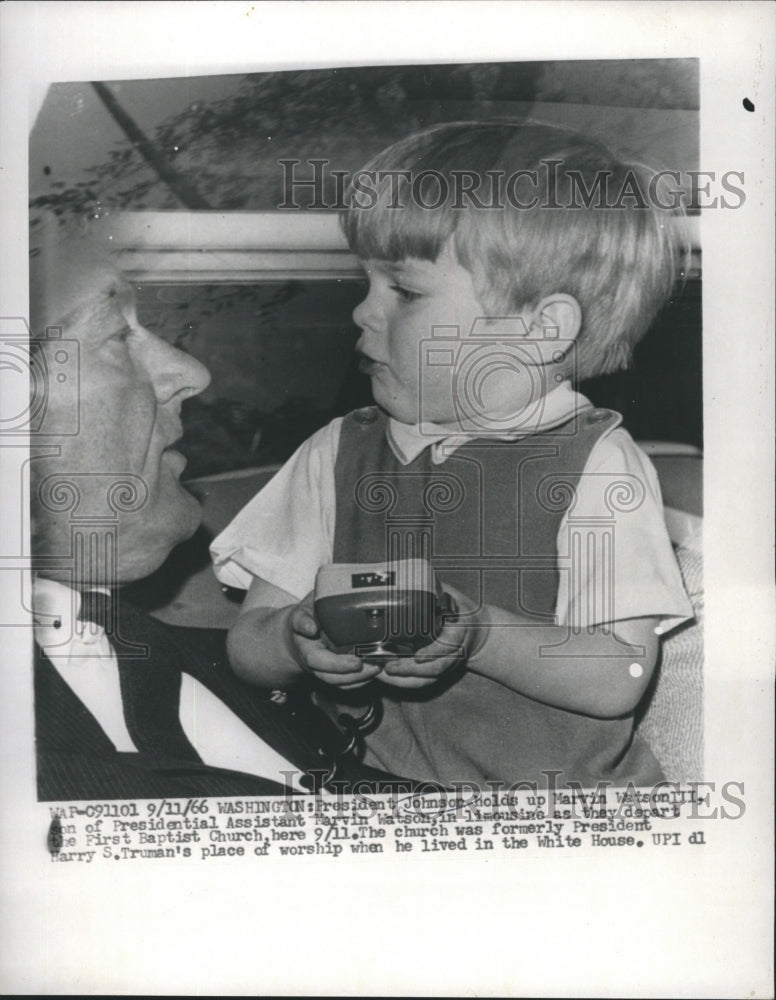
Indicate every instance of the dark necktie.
{"type": "Point", "coordinates": [150, 682]}
{"type": "Point", "coordinates": [99, 608]}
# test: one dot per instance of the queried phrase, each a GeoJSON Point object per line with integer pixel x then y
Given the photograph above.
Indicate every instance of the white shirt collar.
{"type": "Point", "coordinates": [55, 610]}
{"type": "Point", "coordinates": [407, 441]}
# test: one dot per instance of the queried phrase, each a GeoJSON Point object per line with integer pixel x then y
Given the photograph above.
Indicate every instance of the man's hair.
{"type": "Point", "coordinates": [57, 245]}
{"type": "Point", "coordinates": [469, 181]}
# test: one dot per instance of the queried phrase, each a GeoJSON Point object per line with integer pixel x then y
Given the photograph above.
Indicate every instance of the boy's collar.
{"type": "Point", "coordinates": [407, 441]}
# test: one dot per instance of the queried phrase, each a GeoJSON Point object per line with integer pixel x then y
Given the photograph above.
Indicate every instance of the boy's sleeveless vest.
{"type": "Point", "coordinates": [487, 519]}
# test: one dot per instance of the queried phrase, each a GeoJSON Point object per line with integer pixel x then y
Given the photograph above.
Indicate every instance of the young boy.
{"type": "Point", "coordinates": [499, 273]}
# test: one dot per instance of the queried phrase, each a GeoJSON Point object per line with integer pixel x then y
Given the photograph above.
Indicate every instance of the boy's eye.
{"type": "Point", "coordinates": [405, 294]}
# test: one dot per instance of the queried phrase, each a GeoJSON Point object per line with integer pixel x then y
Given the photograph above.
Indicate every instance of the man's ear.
{"type": "Point", "coordinates": [554, 325]}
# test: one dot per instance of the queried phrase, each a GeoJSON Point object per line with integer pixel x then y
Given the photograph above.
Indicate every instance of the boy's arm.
{"type": "Point", "coordinates": [259, 644]}
{"type": "Point", "coordinates": [276, 641]}
{"type": "Point", "coordinates": [602, 671]}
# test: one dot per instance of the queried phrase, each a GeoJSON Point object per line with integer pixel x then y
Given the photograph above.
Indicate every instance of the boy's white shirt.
{"type": "Point", "coordinates": [286, 532]}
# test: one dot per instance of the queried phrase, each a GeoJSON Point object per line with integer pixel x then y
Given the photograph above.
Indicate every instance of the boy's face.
{"type": "Point", "coordinates": [406, 301]}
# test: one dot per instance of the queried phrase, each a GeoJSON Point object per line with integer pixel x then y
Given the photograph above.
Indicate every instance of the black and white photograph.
{"type": "Point", "coordinates": [386, 472]}
{"type": "Point", "coordinates": [276, 307]}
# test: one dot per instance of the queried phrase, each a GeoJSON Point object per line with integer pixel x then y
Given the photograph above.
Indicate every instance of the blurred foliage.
{"type": "Point", "coordinates": [229, 148]}
{"type": "Point", "coordinates": [633, 83]}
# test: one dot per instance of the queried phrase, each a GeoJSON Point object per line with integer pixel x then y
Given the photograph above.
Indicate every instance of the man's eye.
{"type": "Point", "coordinates": [123, 334]}
{"type": "Point", "coordinates": [405, 294]}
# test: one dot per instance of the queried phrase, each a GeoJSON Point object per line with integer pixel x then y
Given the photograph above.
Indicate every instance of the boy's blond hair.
{"type": "Point", "coordinates": [532, 210]}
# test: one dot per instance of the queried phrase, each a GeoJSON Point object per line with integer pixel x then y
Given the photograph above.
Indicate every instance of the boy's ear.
{"type": "Point", "coordinates": [554, 325]}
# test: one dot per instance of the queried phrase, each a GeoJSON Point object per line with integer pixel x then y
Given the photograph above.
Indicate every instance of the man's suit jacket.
{"type": "Point", "coordinates": [76, 760]}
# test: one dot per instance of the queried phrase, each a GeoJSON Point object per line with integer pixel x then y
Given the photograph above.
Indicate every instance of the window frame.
{"type": "Point", "coordinates": [250, 247]}
{"type": "Point", "coordinates": [228, 247]}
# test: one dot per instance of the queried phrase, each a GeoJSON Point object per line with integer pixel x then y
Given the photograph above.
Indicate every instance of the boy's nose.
{"type": "Point", "coordinates": [367, 315]}
{"type": "Point", "coordinates": [359, 313]}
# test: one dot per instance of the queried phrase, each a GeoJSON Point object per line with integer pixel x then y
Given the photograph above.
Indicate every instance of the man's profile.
{"type": "Point", "coordinates": [125, 705]}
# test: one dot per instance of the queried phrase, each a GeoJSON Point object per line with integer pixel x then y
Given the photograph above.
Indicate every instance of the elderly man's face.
{"type": "Point", "coordinates": [128, 398]}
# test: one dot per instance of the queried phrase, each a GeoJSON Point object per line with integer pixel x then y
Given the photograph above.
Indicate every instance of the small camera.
{"type": "Point", "coordinates": [45, 365]}
{"type": "Point", "coordinates": [381, 611]}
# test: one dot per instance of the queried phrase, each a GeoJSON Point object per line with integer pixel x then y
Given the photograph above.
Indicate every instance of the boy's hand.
{"type": "Point", "coordinates": [458, 641]}
{"type": "Point", "coordinates": [339, 669]}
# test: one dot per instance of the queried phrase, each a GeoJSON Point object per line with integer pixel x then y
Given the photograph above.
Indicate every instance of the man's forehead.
{"type": "Point", "coordinates": [70, 279]}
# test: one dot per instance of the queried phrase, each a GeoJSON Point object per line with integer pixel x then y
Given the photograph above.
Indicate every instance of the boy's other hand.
{"type": "Point", "coordinates": [461, 637]}
{"type": "Point", "coordinates": [338, 669]}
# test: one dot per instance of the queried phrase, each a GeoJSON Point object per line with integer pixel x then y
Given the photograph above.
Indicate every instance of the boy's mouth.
{"type": "Point", "coordinates": [368, 366]}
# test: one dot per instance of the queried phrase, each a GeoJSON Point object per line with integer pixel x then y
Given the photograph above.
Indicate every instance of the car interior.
{"type": "Point", "coordinates": [264, 296]}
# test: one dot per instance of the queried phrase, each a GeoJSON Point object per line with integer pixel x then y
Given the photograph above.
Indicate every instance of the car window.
{"type": "Point", "coordinates": [281, 358]}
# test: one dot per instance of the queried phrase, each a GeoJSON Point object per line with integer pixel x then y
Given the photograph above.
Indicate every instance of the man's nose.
{"type": "Point", "coordinates": [174, 373]}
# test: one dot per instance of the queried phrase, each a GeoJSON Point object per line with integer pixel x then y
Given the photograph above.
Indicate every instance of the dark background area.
{"type": "Point", "coordinates": [215, 142]}
{"type": "Point", "coordinates": [661, 395]}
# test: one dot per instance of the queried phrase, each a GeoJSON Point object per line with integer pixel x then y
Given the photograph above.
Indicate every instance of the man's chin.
{"type": "Point", "coordinates": [144, 548]}
{"type": "Point", "coordinates": [179, 507]}
{"type": "Point", "coordinates": [186, 519]}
